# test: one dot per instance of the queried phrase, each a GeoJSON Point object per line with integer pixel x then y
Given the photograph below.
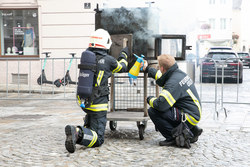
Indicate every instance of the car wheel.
{"type": "Point", "coordinates": [240, 80]}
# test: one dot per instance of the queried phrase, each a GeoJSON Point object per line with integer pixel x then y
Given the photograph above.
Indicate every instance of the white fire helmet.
{"type": "Point", "coordinates": [100, 39]}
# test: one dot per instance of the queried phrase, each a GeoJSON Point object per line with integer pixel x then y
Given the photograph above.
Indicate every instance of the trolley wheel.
{"type": "Point", "coordinates": [141, 131]}
{"type": "Point", "coordinates": [141, 126]}
{"type": "Point", "coordinates": [142, 123]}
{"type": "Point", "coordinates": [113, 125]}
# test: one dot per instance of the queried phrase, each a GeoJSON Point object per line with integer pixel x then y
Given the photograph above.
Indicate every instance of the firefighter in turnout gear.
{"type": "Point", "coordinates": [91, 134]}
{"type": "Point", "coordinates": [177, 103]}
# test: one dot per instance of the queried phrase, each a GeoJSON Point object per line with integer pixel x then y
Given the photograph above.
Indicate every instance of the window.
{"type": "Point", "coordinates": [211, 2]}
{"type": "Point", "coordinates": [212, 23]}
{"type": "Point", "coordinates": [222, 23]}
{"type": "Point", "coordinates": [19, 32]}
{"type": "Point", "coordinates": [174, 45]}
{"type": "Point", "coordinates": [223, 2]}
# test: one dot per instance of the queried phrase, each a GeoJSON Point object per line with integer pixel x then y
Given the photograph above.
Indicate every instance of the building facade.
{"type": "Point", "coordinates": [30, 27]}
{"type": "Point", "coordinates": [35, 26]}
{"type": "Point", "coordinates": [214, 27]}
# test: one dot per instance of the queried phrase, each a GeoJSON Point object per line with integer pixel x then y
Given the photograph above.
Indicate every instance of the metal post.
{"type": "Point", "coordinates": [53, 91]}
{"type": "Point", "coordinates": [238, 76]}
{"type": "Point", "coordinates": [112, 94]}
{"type": "Point", "coordinates": [29, 81]}
{"type": "Point", "coordinates": [201, 80]}
{"type": "Point", "coordinates": [76, 73]}
{"type": "Point", "coordinates": [64, 78]}
{"type": "Point", "coordinates": [18, 77]}
{"type": "Point", "coordinates": [222, 86]}
{"type": "Point", "coordinates": [216, 84]}
{"type": "Point", "coordinates": [41, 77]}
{"type": "Point", "coordinates": [7, 78]}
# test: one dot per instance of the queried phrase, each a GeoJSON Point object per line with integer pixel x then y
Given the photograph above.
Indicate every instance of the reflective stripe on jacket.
{"type": "Point", "coordinates": [178, 91]}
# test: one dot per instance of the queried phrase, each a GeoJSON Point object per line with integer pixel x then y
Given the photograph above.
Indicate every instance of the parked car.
{"type": "Point", "coordinates": [227, 59]}
{"type": "Point", "coordinates": [217, 48]}
{"type": "Point", "coordinates": [245, 58]}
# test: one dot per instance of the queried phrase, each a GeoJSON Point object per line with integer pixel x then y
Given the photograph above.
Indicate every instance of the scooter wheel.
{"type": "Point", "coordinates": [58, 83]}
{"type": "Point", "coordinates": [64, 82]}
{"type": "Point", "coordinates": [39, 80]}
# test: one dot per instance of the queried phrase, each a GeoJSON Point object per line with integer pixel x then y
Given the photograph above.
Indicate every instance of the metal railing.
{"type": "Point", "coordinates": [223, 92]}
{"type": "Point", "coordinates": [55, 69]}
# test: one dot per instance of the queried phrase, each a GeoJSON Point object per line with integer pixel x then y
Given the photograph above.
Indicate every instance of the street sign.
{"type": "Point", "coordinates": [204, 36]}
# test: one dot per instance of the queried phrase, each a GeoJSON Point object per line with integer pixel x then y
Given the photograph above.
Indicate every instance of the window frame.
{"type": "Point", "coordinates": [38, 45]}
{"type": "Point", "coordinates": [212, 23]}
{"type": "Point", "coordinates": [223, 23]}
{"type": "Point", "coordinates": [158, 45]}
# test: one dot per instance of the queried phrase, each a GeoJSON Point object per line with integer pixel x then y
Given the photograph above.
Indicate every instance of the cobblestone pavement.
{"type": "Point", "coordinates": [32, 134]}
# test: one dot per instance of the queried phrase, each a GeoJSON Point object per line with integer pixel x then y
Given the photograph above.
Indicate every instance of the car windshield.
{"type": "Point", "coordinates": [221, 56]}
{"type": "Point", "coordinates": [243, 54]}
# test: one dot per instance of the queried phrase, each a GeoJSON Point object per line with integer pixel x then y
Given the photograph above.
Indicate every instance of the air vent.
{"type": "Point", "coordinates": [19, 78]}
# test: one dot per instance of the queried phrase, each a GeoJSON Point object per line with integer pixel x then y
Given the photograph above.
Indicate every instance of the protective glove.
{"type": "Point", "coordinates": [148, 98]}
{"type": "Point", "coordinates": [124, 54]}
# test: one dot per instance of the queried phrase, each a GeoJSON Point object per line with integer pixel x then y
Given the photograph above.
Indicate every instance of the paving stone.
{"type": "Point", "coordinates": [40, 141]}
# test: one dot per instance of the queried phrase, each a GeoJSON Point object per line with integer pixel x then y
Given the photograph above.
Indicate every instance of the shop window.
{"type": "Point", "coordinates": [19, 32]}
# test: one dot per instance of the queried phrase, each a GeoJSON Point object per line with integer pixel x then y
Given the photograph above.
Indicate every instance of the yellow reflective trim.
{"type": "Point", "coordinates": [98, 107]}
{"type": "Point", "coordinates": [125, 55]}
{"type": "Point", "coordinates": [118, 68]}
{"type": "Point", "coordinates": [191, 119]}
{"type": "Point", "coordinates": [196, 101]}
{"type": "Point", "coordinates": [123, 61]}
{"type": "Point", "coordinates": [79, 100]}
{"type": "Point", "coordinates": [169, 98]}
{"type": "Point", "coordinates": [93, 140]}
{"type": "Point", "coordinates": [151, 102]}
{"type": "Point", "coordinates": [99, 78]}
{"type": "Point", "coordinates": [158, 75]}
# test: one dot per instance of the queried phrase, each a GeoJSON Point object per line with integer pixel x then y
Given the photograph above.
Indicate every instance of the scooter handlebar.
{"type": "Point", "coordinates": [72, 54]}
{"type": "Point", "coordinates": [46, 54]}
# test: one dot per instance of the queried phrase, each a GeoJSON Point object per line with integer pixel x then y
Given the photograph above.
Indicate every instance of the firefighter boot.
{"type": "Point", "coordinates": [71, 138]}
{"type": "Point", "coordinates": [197, 132]}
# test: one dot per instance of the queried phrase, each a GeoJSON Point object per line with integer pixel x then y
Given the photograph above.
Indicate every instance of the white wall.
{"type": "Point", "coordinates": [65, 26]}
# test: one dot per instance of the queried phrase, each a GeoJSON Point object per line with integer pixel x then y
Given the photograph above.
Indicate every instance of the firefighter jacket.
{"type": "Point", "coordinates": [178, 91]}
{"type": "Point", "coordinates": [106, 66]}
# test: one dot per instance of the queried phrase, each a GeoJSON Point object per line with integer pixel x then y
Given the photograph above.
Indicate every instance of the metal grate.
{"type": "Point", "coordinates": [129, 96]}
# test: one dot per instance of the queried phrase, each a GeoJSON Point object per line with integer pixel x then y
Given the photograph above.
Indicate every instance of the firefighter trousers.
{"type": "Point", "coordinates": [165, 121]}
{"type": "Point", "coordinates": [93, 129]}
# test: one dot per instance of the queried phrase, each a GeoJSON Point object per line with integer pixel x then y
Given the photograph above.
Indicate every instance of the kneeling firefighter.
{"type": "Point", "coordinates": [177, 110]}
{"type": "Point", "coordinates": [92, 92]}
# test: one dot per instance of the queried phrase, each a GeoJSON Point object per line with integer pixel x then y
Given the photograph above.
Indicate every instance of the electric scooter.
{"type": "Point", "coordinates": [67, 79]}
{"type": "Point", "coordinates": [42, 78]}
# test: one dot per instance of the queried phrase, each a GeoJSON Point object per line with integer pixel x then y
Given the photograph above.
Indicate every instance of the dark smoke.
{"type": "Point", "coordinates": [124, 21]}
{"type": "Point", "coordinates": [135, 21]}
